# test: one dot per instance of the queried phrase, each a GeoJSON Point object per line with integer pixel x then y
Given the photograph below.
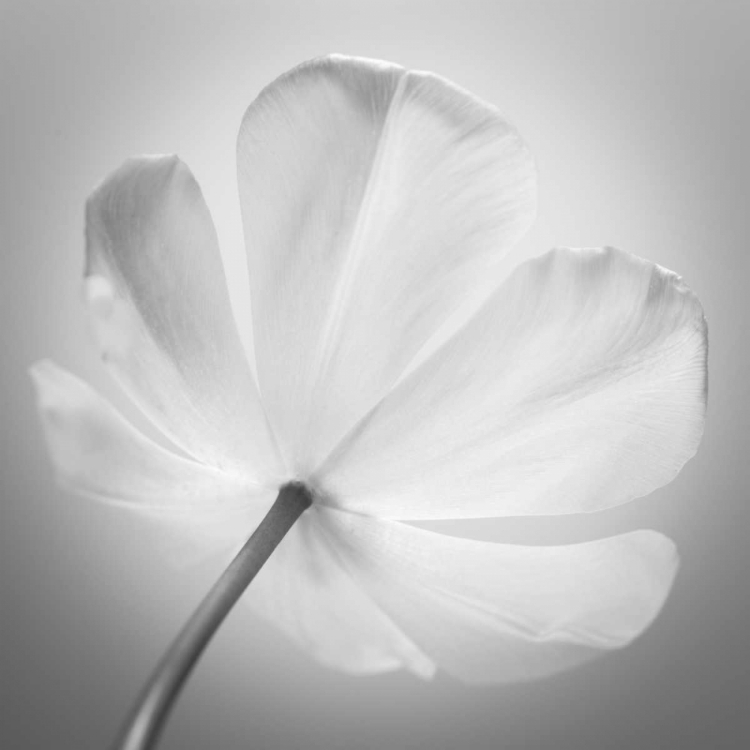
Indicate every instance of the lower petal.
{"type": "Point", "coordinates": [307, 591]}
{"type": "Point", "coordinates": [488, 612]}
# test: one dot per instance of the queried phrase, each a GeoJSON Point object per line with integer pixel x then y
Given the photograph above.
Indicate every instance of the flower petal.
{"type": "Point", "coordinates": [373, 200]}
{"type": "Point", "coordinates": [157, 294]}
{"type": "Point", "coordinates": [96, 453]}
{"type": "Point", "coordinates": [489, 612]}
{"type": "Point", "coordinates": [306, 591]}
{"type": "Point", "coordinates": [581, 384]}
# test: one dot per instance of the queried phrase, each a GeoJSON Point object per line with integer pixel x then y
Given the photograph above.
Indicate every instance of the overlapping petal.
{"type": "Point", "coordinates": [581, 384]}
{"type": "Point", "coordinates": [307, 591]}
{"type": "Point", "coordinates": [364, 594]}
{"type": "Point", "coordinates": [373, 200]}
{"type": "Point", "coordinates": [158, 299]}
{"type": "Point", "coordinates": [97, 453]}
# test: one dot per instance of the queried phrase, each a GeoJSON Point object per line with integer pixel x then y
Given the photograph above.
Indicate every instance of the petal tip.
{"type": "Point", "coordinates": [43, 373]}
{"type": "Point", "coordinates": [37, 369]}
{"type": "Point", "coordinates": [164, 163]}
{"type": "Point", "coordinates": [657, 559]}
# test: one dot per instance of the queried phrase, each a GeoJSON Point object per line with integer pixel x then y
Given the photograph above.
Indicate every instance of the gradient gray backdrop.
{"type": "Point", "coordinates": [638, 115]}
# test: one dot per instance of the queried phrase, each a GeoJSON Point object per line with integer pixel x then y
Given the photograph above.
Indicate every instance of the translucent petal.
{"type": "Point", "coordinates": [373, 200]}
{"type": "Point", "coordinates": [581, 384]}
{"type": "Point", "coordinates": [96, 453]}
{"type": "Point", "coordinates": [500, 613]}
{"type": "Point", "coordinates": [306, 591]}
{"type": "Point", "coordinates": [160, 308]}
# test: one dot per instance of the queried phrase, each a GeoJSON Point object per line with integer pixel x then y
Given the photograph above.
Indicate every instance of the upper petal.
{"type": "Point", "coordinates": [373, 200]}
{"type": "Point", "coordinates": [581, 384]}
{"type": "Point", "coordinates": [98, 454]}
{"type": "Point", "coordinates": [158, 298]}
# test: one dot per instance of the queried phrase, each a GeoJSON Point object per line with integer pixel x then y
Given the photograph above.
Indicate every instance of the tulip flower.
{"type": "Point", "coordinates": [375, 202]}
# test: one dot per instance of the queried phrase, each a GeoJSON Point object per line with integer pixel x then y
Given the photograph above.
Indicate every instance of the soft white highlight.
{"type": "Point", "coordinates": [374, 199]}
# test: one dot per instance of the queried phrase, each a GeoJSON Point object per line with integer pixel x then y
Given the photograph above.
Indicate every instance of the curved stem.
{"type": "Point", "coordinates": [141, 730]}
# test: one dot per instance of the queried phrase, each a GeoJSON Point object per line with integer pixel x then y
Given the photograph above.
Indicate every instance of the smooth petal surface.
{"type": "Point", "coordinates": [306, 590]}
{"type": "Point", "coordinates": [373, 200]}
{"type": "Point", "coordinates": [500, 613]}
{"type": "Point", "coordinates": [96, 453]}
{"type": "Point", "coordinates": [158, 299]}
{"type": "Point", "coordinates": [581, 384]}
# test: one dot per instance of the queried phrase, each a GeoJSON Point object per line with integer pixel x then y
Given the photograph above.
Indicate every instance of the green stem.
{"type": "Point", "coordinates": [146, 720]}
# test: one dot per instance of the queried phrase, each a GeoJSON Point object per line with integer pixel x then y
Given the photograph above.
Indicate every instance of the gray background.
{"type": "Point", "coordinates": [638, 115]}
